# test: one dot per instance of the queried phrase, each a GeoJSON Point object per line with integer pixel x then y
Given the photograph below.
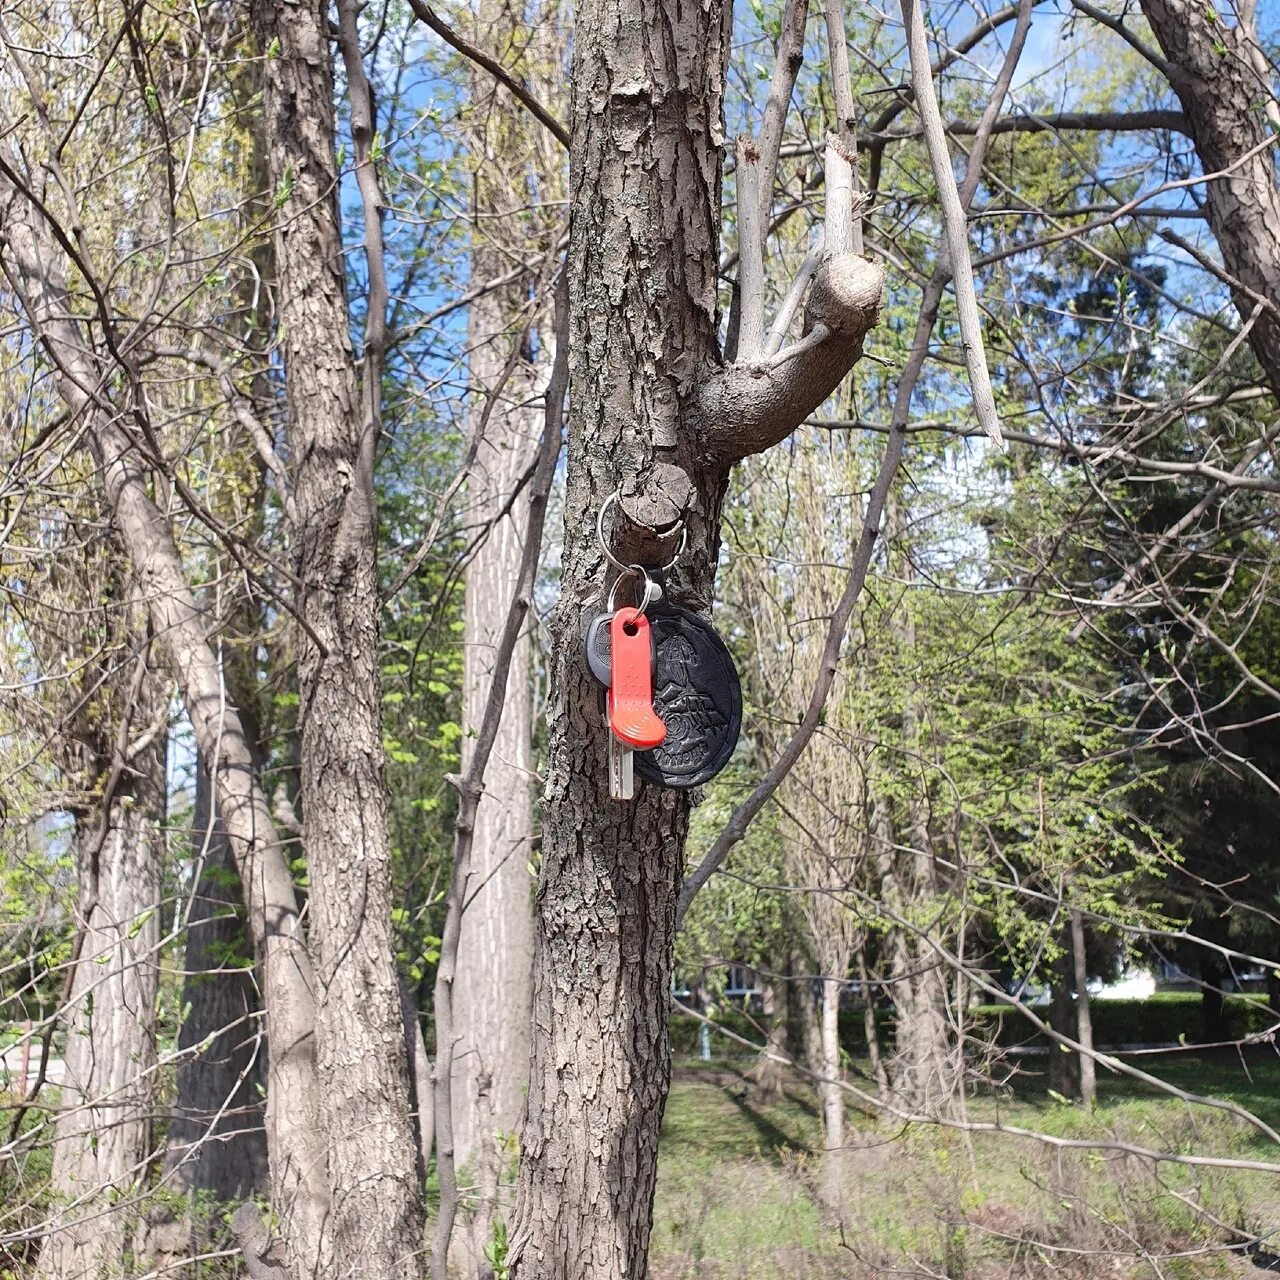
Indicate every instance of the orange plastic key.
{"type": "Point", "coordinates": [630, 700]}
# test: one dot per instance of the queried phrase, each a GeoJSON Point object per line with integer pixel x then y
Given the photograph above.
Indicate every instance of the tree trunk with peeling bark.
{"type": "Point", "coordinates": [1224, 82]}
{"type": "Point", "coordinates": [102, 1135]}
{"type": "Point", "coordinates": [375, 1224]}
{"type": "Point", "coordinates": [656, 413]}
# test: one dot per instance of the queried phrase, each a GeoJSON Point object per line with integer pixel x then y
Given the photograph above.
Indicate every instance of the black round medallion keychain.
{"type": "Point", "coordinates": [696, 693]}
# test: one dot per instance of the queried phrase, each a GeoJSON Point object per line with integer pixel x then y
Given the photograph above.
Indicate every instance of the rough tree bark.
{"type": "Point", "coordinates": [334, 426]}
{"type": "Point", "coordinates": [102, 1136]}
{"type": "Point", "coordinates": [653, 410]}
{"type": "Point", "coordinates": [1224, 83]}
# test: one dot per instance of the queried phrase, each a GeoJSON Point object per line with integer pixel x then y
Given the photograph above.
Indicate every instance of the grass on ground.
{"type": "Point", "coordinates": [739, 1176]}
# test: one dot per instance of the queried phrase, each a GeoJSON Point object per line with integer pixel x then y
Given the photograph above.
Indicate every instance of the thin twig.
{"type": "Point", "coordinates": [786, 67]}
{"type": "Point", "coordinates": [363, 128]}
{"type": "Point", "coordinates": [736, 828]}
{"type": "Point", "coordinates": [786, 312]}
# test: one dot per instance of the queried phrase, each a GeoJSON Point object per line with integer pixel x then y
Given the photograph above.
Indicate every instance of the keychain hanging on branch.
{"type": "Point", "coordinates": [671, 701]}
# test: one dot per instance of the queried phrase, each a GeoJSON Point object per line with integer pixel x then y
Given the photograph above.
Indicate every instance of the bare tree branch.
{"type": "Point", "coordinates": [515, 84]}
{"type": "Point", "coordinates": [953, 220]}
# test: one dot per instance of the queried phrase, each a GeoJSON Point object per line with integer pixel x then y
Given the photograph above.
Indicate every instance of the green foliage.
{"type": "Point", "coordinates": [495, 1250]}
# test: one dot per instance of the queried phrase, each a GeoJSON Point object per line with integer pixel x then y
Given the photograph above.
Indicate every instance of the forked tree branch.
{"type": "Point", "coordinates": [736, 828]}
{"type": "Point", "coordinates": [746, 408]}
{"type": "Point", "coordinates": [765, 393]}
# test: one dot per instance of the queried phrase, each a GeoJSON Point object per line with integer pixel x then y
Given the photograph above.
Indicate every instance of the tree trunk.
{"type": "Point", "coordinates": [1064, 1063]}
{"type": "Point", "coordinates": [1224, 84]}
{"type": "Point", "coordinates": [924, 1072]}
{"type": "Point", "coordinates": [767, 1073]}
{"type": "Point", "coordinates": [658, 419]}
{"type": "Point", "coordinates": [217, 1139]}
{"type": "Point", "coordinates": [493, 983]}
{"type": "Point", "coordinates": [832, 1095]}
{"type": "Point", "coordinates": [216, 1152]}
{"type": "Point", "coordinates": [299, 1192]}
{"type": "Point", "coordinates": [921, 1072]}
{"type": "Point", "coordinates": [645, 182]}
{"type": "Point", "coordinates": [1213, 1015]}
{"type": "Point", "coordinates": [1084, 1016]}
{"type": "Point", "coordinates": [869, 1026]}
{"type": "Point", "coordinates": [808, 1022]}
{"type": "Point", "coordinates": [102, 1136]}
{"type": "Point", "coordinates": [804, 1034]}
{"type": "Point", "coordinates": [375, 1224]}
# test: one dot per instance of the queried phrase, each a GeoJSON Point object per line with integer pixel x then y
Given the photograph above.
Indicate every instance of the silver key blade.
{"type": "Point", "coordinates": [622, 777]}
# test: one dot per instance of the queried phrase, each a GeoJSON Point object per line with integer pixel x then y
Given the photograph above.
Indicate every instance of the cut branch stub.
{"type": "Point", "coordinates": [747, 408]}
{"type": "Point", "coordinates": [846, 296]}
{"type": "Point", "coordinates": [652, 510]}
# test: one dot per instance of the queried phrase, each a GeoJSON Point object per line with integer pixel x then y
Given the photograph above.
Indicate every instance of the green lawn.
{"type": "Point", "coordinates": [736, 1186]}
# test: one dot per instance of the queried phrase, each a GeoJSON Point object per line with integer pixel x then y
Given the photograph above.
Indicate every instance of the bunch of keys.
{"type": "Point", "coordinates": [620, 654]}
{"type": "Point", "coordinates": [668, 685]}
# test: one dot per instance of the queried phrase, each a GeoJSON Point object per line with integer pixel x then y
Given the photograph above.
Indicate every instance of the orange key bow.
{"type": "Point", "coordinates": [630, 700]}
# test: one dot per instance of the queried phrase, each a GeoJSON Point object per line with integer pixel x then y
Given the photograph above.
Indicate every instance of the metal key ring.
{"type": "Point", "coordinates": [613, 498]}
{"type": "Point", "coordinates": [648, 592]}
